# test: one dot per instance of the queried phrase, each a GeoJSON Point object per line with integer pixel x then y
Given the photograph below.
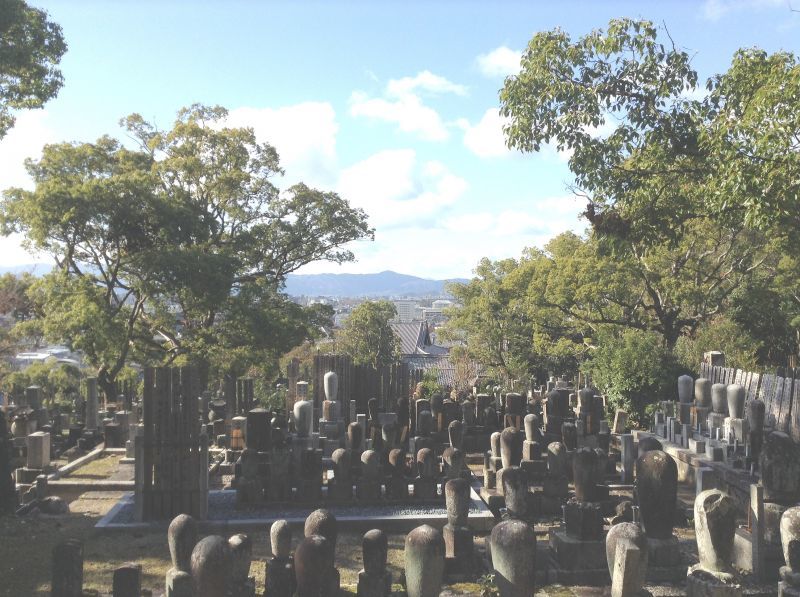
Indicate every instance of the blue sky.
{"type": "Point", "coordinates": [391, 104]}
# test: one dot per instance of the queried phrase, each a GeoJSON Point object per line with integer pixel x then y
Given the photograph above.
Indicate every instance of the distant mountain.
{"type": "Point", "coordinates": [37, 269]}
{"type": "Point", "coordinates": [386, 283]}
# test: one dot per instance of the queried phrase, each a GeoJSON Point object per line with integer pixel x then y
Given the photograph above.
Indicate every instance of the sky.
{"type": "Point", "coordinates": [393, 105]}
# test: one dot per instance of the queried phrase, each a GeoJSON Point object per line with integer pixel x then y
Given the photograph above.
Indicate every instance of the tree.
{"type": "Point", "coordinates": [178, 249]}
{"type": "Point", "coordinates": [367, 335]}
{"type": "Point", "coordinates": [649, 150]}
{"type": "Point", "coordinates": [31, 47]}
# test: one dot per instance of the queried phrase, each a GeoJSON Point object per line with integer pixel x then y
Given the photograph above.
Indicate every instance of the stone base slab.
{"type": "Point", "coordinates": [786, 590]}
{"type": "Point", "coordinates": [569, 553]}
{"type": "Point", "coordinates": [702, 584]}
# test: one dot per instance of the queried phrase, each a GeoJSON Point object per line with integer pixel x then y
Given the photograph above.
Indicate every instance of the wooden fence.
{"type": "Point", "coordinates": [172, 454]}
{"type": "Point", "coordinates": [780, 392]}
{"type": "Point", "coordinates": [362, 382]}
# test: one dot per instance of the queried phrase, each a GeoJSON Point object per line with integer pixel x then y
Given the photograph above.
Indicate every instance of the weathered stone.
{"type": "Point", "coordinates": [533, 432]}
{"type": "Point", "coordinates": [424, 562]}
{"type": "Point", "coordinates": [67, 579]}
{"type": "Point", "coordinates": [370, 465]}
{"type": "Point", "coordinates": [515, 491]}
{"type": "Point", "coordinates": [468, 414]}
{"type": "Point", "coordinates": [646, 444]}
{"type": "Point", "coordinates": [182, 538]}
{"type": "Point", "coordinates": [622, 535]}
{"type": "Point", "coordinates": [756, 428]}
{"type": "Point", "coordinates": [241, 554]}
{"type": "Point", "coordinates": [331, 385]}
{"type": "Point", "coordinates": [702, 392]}
{"type": "Point", "coordinates": [780, 466]}
{"type": "Point", "coordinates": [258, 430]}
{"type": "Point", "coordinates": [735, 395]}
{"type": "Point", "coordinates": [179, 584]}
{"type": "Point", "coordinates": [454, 461]}
{"type": "Point", "coordinates": [304, 418]}
{"type": "Point", "coordinates": [510, 446]}
{"type": "Point", "coordinates": [569, 435]}
{"type": "Point", "coordinates": [656, 492]}
{"type": "Point", "coordinates": [424, 423]}
{"type": "Point", "coordinates": [719, 398]}
{"type": "Point", "coordinates": [280, 537]}
{"type": "Point", "coordinates": [584, 474]}
{"type": "Point", "coordinates": [715, 525]}
{"type": "Point", "coordinates": [456, 493]}
{"type": "Point", "coordinates": [355, 437]}
{"type": "Point", "coordinates": [127, 581]}
{"type": "Point", "coordinates": [211, 567]}
{"type": "Point", "coordinates": [374, 580]}
{"type": "Point", "coordinates": [494, 442]}
{"type": "Point", "coordinates": [685, 383]}
{"type": "Point", "coordinates": [557, 459]}
{"type": "Point", "coordinates": [311, 559]}
{"type": "Point", "coordinates": [513, 550]}
{"type": "Point", "coordinates": [323, 522]}
{"type": "Point", "coordinates": [455, 431]}
{"type": "Point", "coordinates": [790, 543]}
{"type": "Point", "coordinates": [620, 421]}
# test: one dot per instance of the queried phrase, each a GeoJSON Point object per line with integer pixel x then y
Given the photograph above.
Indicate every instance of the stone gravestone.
{"type": "Point", "coordinates": [211, 565]}
{"type": "Point", "coordinates": [715, 526]}
{"type": "Point", "coordinates": [789, 585]}
{"type": "Point", "coordinates": [181, 538]}
{"type": "Point", "coordinates": [458, 540]}
{"type": "Point", "coordinates": [626, 553]}
{"type": "Point", "coordinates": [312, 557]}
{"type": "Point", "coordinates": [280, 580]}
{"type": "Point", "coordinates": [513, 550]}
{"type": "Point", "coordinates": [374, 580]}
{"type": "Point", "coordinates": [656, 489]}
{"type": "Point", "coordinates": [8, 494]}
{"type": "Point", "coordinates": [424, 562]}
{"type": "Point", "coordinates": [242, 584]}
{"type": "Point", "coordinates": [323, 523]}
{"type": "Point", "coordinates": [67, 579]}
{"type": "Point", "coordinates": [127, 581]}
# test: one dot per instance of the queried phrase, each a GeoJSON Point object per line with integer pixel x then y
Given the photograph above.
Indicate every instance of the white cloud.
{"type": "Point", "coordinates": [713, 10]}
{"type": "Point", "coordinates": [25, 140]}
{"type": "Point", "coordinates": [304, 135]}
{"type": "Point", "coordinates": [500, 62]}
{"type": "Point", "coordinates": [486, 138]}
{"type": "Point", "coordinates": [402, 105]}
{"type": "Point", "coordinates": [424, 81]}
{"type": "Point", "coordinates": [408, 113]}
{"type": "Point", "coordinates": [394, 189]}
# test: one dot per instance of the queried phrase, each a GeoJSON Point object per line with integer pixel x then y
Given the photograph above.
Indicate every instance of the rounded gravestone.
{"type": "Point", "coordinates": [685, 386]}
{"type": "Point", "coordinates": [510, 446]}
{"type": "Point", "coordinates": [513, 547]}
{"type": "Point", "coordinates": [657, 492]}
{"type": "Point", "coordinates": [532, 432]}
{"type": "Point", "coordinates": [304, 417]}
{"type": "Point", "coordinates": [756, 412]}
{"type": "Point", "coordinates": [715, 526]}
{"type": "Point", "coordinates": [455, 433]}
{"type": "Point", "coordinates": [370, 464]}
{"type": "Point", "coordinates": [780, 466]}
{"type": "Point", "coordinates": [311, 558]}
{"type": "Point", "coordinates": [584, 474]}
{"type": "Point", "coordinates": [181, 538]}
{"type": "Point", "coordinates": [331, 385]}
{"type": "Point", "coordinates": [456, 495]}
{"type": "Point", "coordinates": [586, 399]}
{"type": "Point", "coordinates": [424, 423]}
{"type": "Point", "coordinates": [424, 562]}
{"type": "Point", "coordinates": [631, 533]}
{"type": "Point", "coordinates": [790, 538]}
{"type": "Point", "coordinates": [569, 435]}
{"type": "Point", "coordinates": [494, 442]}
{"type": "Point", "coordinates": [211, 567]}
{"type": "Point", "coordinates": [375, 550]}
{"type": "Point", "coordinates": [702, 392]}
{"type": "Point", "coordinates": [342, 463]}
{"type": "Point", "coordinates": [515, 491]}
{"type": "Point", "coordinates": [280, 538]}
{"type": "Point", "coordinates": [322, 522]}
{"type": "Point", "coordinates": [557, 459]}
{"type": "Point", "coordinates": [426, 463]}
{"type": "Point", "coordinates": [397, 461]}
{"type": "Point", "coordinates": [646, 444]}
{"type": "Point", "coordinates": [241, 553]}
{"type": "Point", "coordinates": [719, 398]}
{"type": "Point", "coordinates": [355, 435]}
{"type": "Point", "coordinates": [735, 401]}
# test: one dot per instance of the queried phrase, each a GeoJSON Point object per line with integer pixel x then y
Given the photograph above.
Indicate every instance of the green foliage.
{"type": "Point", "coordinates": [721, 333]}
{"type": "Point", "coordinates": [60, 382]}
{"type": "Point", "coordinates": [177, 249]}
{"type": "Point", "coordinates": [488, 586]}
{"type": "Point", "coordinates": [634, 370]}
{"type": "Point", "coordinates": [429, 385]}
{"type": "Point", "coordinates": [367, 335]}
{"type": "Point", "coordinates": [31, 47]}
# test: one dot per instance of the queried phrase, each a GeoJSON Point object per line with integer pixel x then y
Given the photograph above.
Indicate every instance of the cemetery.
{"type": "Point", "coordinates": [213, 385]}
{"type": "Point", "coordinates": [523, 492]}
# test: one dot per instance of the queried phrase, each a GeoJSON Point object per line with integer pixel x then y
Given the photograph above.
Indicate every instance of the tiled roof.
{"type": "Point", "coordinates": [445, 369]}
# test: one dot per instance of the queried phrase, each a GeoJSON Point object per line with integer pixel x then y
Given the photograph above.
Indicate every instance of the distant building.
{"type": "Point", "coordinates": [415, 339]}
{"type": "Point", "coordinates": [405, 310]}
{"type": "Point", "coordinates": [442, 304]}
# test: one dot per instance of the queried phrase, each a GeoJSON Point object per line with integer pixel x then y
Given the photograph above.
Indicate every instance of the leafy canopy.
{"type": "Point", "coordinates": [367, 335]}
